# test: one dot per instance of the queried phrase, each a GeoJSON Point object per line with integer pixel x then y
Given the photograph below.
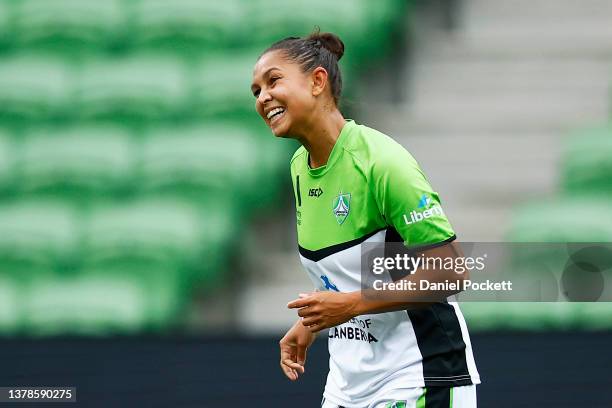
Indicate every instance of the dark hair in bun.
{"type": "Point", "coordinates": [316, 50]}
{"type": "Point", "coordinates": [330, 41]}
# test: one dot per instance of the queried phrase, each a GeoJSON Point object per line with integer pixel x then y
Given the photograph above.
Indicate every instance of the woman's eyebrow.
{"type": "Point", "coordinates": [270, 69]}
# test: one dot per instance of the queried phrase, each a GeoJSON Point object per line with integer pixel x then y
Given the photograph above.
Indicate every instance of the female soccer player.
{"type": "Point", "coordinates": [354, 186]}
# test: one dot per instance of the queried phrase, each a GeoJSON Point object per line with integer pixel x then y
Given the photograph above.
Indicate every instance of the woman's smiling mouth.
{"type": "Point", "coordinates": [275, 114]}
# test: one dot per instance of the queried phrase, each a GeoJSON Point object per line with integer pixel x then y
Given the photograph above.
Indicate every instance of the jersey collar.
{"type": "Point", "coordinates": [335, 153]}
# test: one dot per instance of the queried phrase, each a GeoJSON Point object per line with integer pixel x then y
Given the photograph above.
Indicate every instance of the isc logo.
{"type": "Point", "coordinates": [315, 192]}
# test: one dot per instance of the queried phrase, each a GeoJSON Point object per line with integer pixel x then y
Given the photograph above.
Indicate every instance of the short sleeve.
{"type": "Point", "coordinates": [407, 201]}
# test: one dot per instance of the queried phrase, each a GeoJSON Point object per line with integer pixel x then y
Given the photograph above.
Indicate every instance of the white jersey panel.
{"type": "Point", "coordinates": [371, 353]}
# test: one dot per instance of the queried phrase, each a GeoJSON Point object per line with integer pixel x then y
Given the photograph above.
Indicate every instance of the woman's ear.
{"type": "Point", "coordinates": [318, 81]}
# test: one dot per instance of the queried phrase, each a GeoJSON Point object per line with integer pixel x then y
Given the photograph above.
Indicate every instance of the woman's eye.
{"type": "Point", "coordinates": [273, 79]}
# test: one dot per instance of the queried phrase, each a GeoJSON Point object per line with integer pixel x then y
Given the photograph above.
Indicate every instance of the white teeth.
{"type": "Point", "coordinates": [275, 111]}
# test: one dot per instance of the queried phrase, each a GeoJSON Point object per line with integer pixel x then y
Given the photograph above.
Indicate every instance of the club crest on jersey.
{"type": "Point", "coordinates": [341, 207]}
{"type": "Point", "coordinates": [396, 404]}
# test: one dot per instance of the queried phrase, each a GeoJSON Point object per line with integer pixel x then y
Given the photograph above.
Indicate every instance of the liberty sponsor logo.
{"type": "Point", "coordinates": [328, 284]}
{"type": "Point", "coordinates": [341, 207]}
{"type": "Point", "coordinates": [424, 210]}
{"type": "Point", "coordinates": [315, 192]}
{"type": "Point", "coordinates": [424, 201]}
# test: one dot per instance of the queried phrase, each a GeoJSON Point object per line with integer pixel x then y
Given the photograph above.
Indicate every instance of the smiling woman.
{"type": "Point", "coordinates": [355, 186]}
{"type": "Point", "coordinates": [296, 82]}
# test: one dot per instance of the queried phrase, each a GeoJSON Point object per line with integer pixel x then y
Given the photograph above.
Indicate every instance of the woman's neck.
{"type": "Point", "coordinates": [321, 138]}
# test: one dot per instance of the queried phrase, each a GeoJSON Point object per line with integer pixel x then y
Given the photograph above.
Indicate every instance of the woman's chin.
{"type": "Point", "coordinates": [280, 131]}
{"type": "Point", "coordinates": [282, 135]}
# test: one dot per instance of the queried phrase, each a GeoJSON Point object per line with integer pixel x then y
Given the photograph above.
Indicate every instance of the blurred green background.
{"type": "Point", "coordinates": [132, 161]}
{"type": "Point", "coordinates": [140, 192]}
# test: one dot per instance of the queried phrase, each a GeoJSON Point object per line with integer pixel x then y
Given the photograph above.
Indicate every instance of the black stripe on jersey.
{"type": "Point", "coordinates": [297, 190]}
{"type": "Point", "coordinates": [392, 236]}
{"type": "Point", "coordinates": [437, 397]}
{"type": "Point", "coordinates": [420, 248]}
{"type": "Point", "coordinates": [438, 332]}
{"type": "Point", "coordinates": [330, 250]}
{"type": "Point", "coordinates": [440, 341]}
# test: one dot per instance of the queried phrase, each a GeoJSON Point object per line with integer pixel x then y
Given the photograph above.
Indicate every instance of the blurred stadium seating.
{"type": "Point", "coordinates": [587, 162]}
{"type": "Point", "coordinates": [35, 88]}
{"type": "Point", "coordinates": [134, 171]}
{"type": "Point", "coordinates": [127, 133]}
{"type": "Point", "coordinates": [578, 214]}
{"type": "Point", "coordinates": [127, 145]}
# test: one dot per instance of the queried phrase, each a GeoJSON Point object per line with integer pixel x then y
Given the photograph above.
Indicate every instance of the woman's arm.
{"type": "Point", "coordinates": [321, 310]}
{"type": "Point", "coordinates": [293, 349]}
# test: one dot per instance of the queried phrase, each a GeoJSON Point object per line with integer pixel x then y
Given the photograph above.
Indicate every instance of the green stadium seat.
{"type": "Point", "coordinates": [154, 232]}
{"type": "Point", "coordinates": [221, 86]}
{"type": "Point", "coordinates": [10, 304]}
{"type": "Point", "coordinates": [569, 219]}
{"type": "Point", "coordinates": [188, 25]}
{"type": "Point", "coordinates": [594, 316]}
{"type": "Point", "coordinates": [33, 88]}
{"type": "Point", "coordinates": [491, 316]}
{"type": "Point", "coordinates": [79, 163]}
{"type": "Point", "coordinates": [68, 23]}
{"type": "Point", "coordinates": [587, 162]}
{"type": "Point", "coordinates": [207, 160]}
{"type": "Point", "coordinates": [170, 235]}
{"type": "Point", "coordinates": [5, 22]}
{"type": "Point", "coordinates": [170, 246]}
{"type": "Point", "coordinates": [37, 237]}
{"type": "Point", "coordinates": [273, 20]}
{"type": "Point", "coordinates": [387, 21]}
{"type": "Point", "coordinates": [86, 304]}
{"type": "Point", "coordinates": [554, 230]}
{"type": "Point", "coordinates": [542, 316]}
{"type": "Point", "coordinates": [7, 157]}
{"type": "Point", "coordinates": [136, 87]}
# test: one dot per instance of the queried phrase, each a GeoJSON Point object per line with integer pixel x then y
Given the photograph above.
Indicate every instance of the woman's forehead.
{"type": "Point", "coordinates": [269, 61]}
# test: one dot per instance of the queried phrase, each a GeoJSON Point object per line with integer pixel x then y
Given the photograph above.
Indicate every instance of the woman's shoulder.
{"type": "Point", "coordinates": [370, 145]}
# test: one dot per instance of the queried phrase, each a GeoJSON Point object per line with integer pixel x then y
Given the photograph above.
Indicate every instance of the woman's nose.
{"type": "Point", "coordinates": [264, 97]}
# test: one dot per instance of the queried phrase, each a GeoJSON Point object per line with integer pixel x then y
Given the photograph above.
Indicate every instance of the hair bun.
{"type": "Point", "coordinates": [331, 42]}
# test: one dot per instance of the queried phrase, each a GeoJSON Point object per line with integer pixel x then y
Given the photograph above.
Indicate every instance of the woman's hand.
{"type": "Point", "coordinates": [293, 348]}
{"type": "Point", "coordinates": [322, 310]}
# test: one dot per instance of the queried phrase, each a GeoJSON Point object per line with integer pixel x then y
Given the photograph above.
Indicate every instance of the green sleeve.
{"type": "Point", "coordinates": [407, 201]}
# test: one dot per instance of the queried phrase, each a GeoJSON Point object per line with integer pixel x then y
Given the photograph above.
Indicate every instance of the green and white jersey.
{"type": "Point", "coordinates": [372, 190]}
